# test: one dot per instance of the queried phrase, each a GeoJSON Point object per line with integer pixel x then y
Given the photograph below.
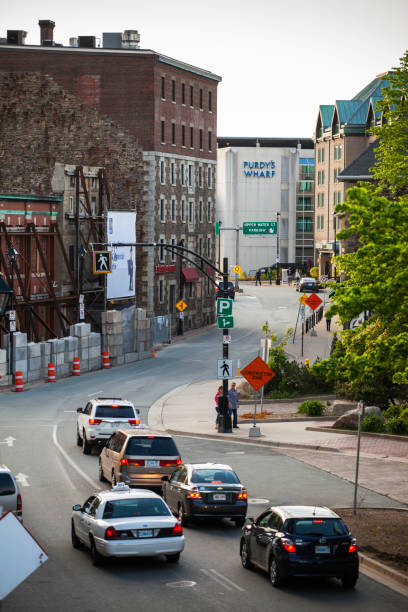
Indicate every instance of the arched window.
{"type": "Point", "coordinates": [335, 123]}
{"type": "Point", "coordinates": [319, 128]}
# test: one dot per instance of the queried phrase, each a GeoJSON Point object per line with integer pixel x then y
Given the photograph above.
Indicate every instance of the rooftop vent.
{"type": "Point", "coordinates": [46, 32]}
{"type": "Point", "coordinates": [112, 40]}
{"type": "Point", "coordinates": [130, 39]}
{"type": "Point", "coordinates": [87, 42]}
{"type": "Point", "coordinates": [16, 37]}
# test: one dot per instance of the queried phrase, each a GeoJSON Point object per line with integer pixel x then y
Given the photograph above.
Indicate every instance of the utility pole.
{"type": "Point", "coordinates": [224, 421]}
{"type": "Point", "coordinates": [277, 250]}
{"type": "Point", "coordinates": [181, 290]}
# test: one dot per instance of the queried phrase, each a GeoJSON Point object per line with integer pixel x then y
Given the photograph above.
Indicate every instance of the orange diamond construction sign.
{"type": "Point", "coordinates": [257, 373]}
{"type": "Point", "coordinates": [313, 301]}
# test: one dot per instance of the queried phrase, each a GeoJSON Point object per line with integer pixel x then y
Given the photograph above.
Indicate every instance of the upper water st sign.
{"type": "Point", "coordinates": [260, 227]}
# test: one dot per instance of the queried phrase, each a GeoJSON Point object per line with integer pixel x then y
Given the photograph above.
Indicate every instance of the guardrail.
{"type": "Point", "coordinates": [313, 319]}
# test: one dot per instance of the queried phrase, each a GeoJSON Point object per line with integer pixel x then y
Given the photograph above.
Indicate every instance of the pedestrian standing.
{"type": "Point", "coordinates": [289, 277]}
{"type": "Point", "coordinates": [297, 279]}
{"type": "Point", "coordinates": [217, 408]}
{"type": "Point", "coordinates": [328, 323]}
{"type": "Point", "coordinates": [233, 399]}
{"type": "Point", "coordinates": [258, 278]}
{"type": "Point", "coordinates": [270, 275]}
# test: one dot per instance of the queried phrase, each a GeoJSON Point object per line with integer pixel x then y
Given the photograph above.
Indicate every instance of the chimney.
{"type": "Point", "coordinates": [46, 30]}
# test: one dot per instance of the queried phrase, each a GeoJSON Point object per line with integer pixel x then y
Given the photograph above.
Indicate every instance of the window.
{"type": "Point", "coordinates": [190, 289]}
{"type": "Point", "coordinates": [183, 211]}
{"type": "Point", "coordinates": [340, 154]}
{"type": "Point", "coordinates": [323, 155]}
{"type": "Point", "coordinates": [323, 176]}
{"type": "Point", "coordinates": [209, 209]}
{"type": "Point", "coordinates": [93, 206]}
{"type": "Point", "coordinates": [304, 203]}
{"type": "Point", "coordinates": [191, 138]}
{"type": "Point", "coordinates": [182, 174]}
{"type": "Point", "coordinates": [173, 209]}
{"type": "Point", "coordinates": [210, 101]}
{"type": "Point", "coordinates": [200, 176]}
{"type": "Point", "coordinates": [335, 152]}
{"type": "Point", "coordinates": [172, 293]}
{"type": "Point", "coordinates": [319, 156]}
{"type": "Point", "coordinates": [191, 211]}
{"type": "Point", "coordinates": [191, 95]}
{"type": "Point", "coordinates": [320, 200]}
{"type": "Point", "coordinates": [173, 173]}
{"type": "Point", "coordinates": [304, 225]}
{"type": "Point", "coordinates": [173, 253]}
{"type": "Point", "coordinates": [161, 251]}
{"type": "Point", "coordinates": [200, 211]}
{"type": "Point", "coordinates": [72, 180]}
{"type": "Point", "coordinates": [71, 205]}
{"type": "Point", "coordinates": [209, 140]}
{"type": "Point", "coordinates": [162, 215]}
{"type": "Point", "coordinates": [306, 185]}
{"type": "Point", "coordinates": [173, 90]}
{"type": "Point", "coordinates": [200, 246]}
{"type": "Point", "coordinates": [201, 140]}
{"type": "Point", "coordinates": [208, 247]}
{"type": "Point", "coordinates": [161, 291]}
{"type": "Point", "coordinates": [183, 135]}
{"type": "Point", "coordinates": [163, 131]}
{"type": "Point", "coordinates": [163, 88]}
{"type": "Point", "coordinates": [201, 99]}
{"type": "Point", "coordinates": [209, 177]}
{"type": "Point", "coordinates": [183, 93]}
{"type": "Point", "coordinates": [162, 172]}
{"type": "Point", "coordinates": [93, 182]}
{"type": "Point", "coordinates": [335, 175]}
{"type": "Point", "coordinates": [190, 175]}
{"type": "Point", "coordinates": [173, 133]}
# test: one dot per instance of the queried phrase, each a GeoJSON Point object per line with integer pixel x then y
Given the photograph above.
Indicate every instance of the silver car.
{"type": "Point", "coordinates": [125, 522]}
{"type": "Point", "coordinates": [10, 497]}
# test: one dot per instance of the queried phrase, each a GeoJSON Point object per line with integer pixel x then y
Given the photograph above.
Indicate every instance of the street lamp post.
{"type": "Point", "coordinates": [335, 245]}
{"type": "Point", "coordinates": [277, 249]}
{"type": "Point", "coordinates": [12, 257]}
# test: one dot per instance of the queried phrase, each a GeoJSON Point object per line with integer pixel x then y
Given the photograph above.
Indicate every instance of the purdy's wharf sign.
{"type": "Point", "coordinates": [259, 169]}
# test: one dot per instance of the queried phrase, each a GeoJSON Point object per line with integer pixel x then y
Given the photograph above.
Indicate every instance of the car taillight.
{"type": "Point", "coordinates": [177, 530]}
{"type": "Point", "coordinates": [288, 545]}
{"type": "Point", "coordinates": [134, 422]}
{"type": "Point", "coordinates": [164, 463]}
{"type": "Point", "coordinates": [125, 461]}
{"type": "Point", "coordinates": [243, 494]}
{"type": "Point", "coordinates": [95, 421]}
{"type": "Point", "coordinates": [194, 494]}
{"type": "Point", "coordinates": [352, 548]}
{"type": "Point", "coordinates": [19, 503]}
{"type": "Point", "coordinates": [179, 462]}
{"type": "Point", "coordinates": [111, 534]}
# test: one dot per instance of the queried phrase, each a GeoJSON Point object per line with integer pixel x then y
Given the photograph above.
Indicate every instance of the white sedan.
{"type": "Point", "coordinates": [125, 522]}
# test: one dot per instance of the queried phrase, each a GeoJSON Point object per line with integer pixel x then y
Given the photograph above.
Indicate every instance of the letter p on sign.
{"type": "Point", "coordinates": [224, 307]}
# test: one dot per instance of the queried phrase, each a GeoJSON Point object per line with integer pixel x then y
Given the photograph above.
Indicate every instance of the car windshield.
{"type": "Point", "coordinates": [6, 485]}
{"type": "Point", "coordinates": [111, 411]}
{"type": "Point", "coordinates": [229, 286]}
{"type": "Point", "coordinates": [151, 446]}
{"type": "Point", "coordinates": [126, 508]}
{"type": "Point", "coordinates": [316, 527]}
{"type": "Point", "coordinates": [214, 476]}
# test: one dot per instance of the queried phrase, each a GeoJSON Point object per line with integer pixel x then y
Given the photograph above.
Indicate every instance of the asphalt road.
{"type": "Point", "coordinates": [209, 575]}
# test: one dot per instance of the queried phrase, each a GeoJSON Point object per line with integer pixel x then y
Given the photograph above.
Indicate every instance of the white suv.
{"type": "Point", "coordinates": [101, 417]}
{"type": "Point", "coordinates": [10, 497]}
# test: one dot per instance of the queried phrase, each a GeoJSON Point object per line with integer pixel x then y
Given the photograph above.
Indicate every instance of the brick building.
{"type": "Point", "coordinates": [170, 107]}
{"type": "Point", "coordinates": [342, 134]}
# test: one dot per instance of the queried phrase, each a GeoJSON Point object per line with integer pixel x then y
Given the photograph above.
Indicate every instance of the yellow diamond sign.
{"type": "Point", "coordinates": [237, 269]}
{"type": "Point", "coordinates": [303, 299]}
{"type": "Point", "coordinates": [181, 305]}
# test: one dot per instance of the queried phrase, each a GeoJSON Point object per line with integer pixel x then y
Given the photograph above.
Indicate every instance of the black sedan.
{"type": "Point", "coordinates": [206, 490]}
{"type": "Point", "coordinates": [229, 292]}
{"type": "Point", "coordinates": [300, 541]}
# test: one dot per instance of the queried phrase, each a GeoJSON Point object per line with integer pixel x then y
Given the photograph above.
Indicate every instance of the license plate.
{"type": "Point", "coordinates": [145, 533]}
{"type": "Point", "coordinates": [219, 497]}
{"type": "Point", "coordinates": [322, 550]}
{"type": "Point", "coordinates": [151, 463]}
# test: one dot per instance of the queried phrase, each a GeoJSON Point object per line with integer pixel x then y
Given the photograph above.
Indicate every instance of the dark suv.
{"type": "Point", "coordinates": [230, 292]}
{"type": "Point", "coordinates": [300, 541]}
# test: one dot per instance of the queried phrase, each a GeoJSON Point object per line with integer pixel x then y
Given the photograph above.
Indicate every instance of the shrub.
{"type": "Point", "coordinates": [392, 411]}
{"type": "Point", "coordinates": [311, 408]}
{"type": "Point", "coordinates": [397, 426]}
{"type": "Point", "coordinates": [372, 423]}
{"type": "Point", "coordinates": [404, 414]}
{"type": "Point", "coordinates": [314, 272]}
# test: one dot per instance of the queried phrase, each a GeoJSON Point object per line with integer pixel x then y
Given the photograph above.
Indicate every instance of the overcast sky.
{"type": "Point", "coordinates": [278, 59]}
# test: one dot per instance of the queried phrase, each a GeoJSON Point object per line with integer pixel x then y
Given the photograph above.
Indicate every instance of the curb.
{"type": "Point", "coordinates": [365, 434]}
{"type": "Point", "coordinates": [386, 570]}
{"type": "Point", "coordinates": [288, 420]}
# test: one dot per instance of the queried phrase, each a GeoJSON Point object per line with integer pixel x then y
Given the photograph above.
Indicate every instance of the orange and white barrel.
{"type": "Point", "coordinates": [105, 360]}
{"type": "Point", "coordinates": [19, 381]}
{"type": "Point", "coordinates": [76, 368]}
{"type": "Point", "coordinates": [51, 372]}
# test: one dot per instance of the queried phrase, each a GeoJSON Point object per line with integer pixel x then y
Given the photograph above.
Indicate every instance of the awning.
{"type": "Point", "coordinates": [209, 271]}
{"type": "Point", "coordinates": [190, 275]}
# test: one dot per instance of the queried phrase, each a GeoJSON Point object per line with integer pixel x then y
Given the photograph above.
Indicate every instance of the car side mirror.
{"type": "Point", "coordinates": [165, 478]}
{"type": "Point", "coordinates": [79, 409]}
{"type": "Point", "coordinates": [77, 507]}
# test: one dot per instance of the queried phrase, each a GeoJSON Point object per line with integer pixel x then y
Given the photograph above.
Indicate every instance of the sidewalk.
{"type": "Point", "coordinates": [383, 466]}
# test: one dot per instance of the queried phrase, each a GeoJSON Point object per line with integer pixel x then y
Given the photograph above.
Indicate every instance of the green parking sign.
{"type": "Point", "coordinates": [225, 322]}
{"type": "Point", "coordinates": [224, 306]}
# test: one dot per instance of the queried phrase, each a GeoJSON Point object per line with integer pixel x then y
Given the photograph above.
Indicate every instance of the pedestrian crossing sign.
{"type": "Point", "coordinates": [102, 262]}
{"type": "Point", "coordinates": [225, 369]}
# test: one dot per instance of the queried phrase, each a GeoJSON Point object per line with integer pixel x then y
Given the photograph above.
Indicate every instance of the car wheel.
{"type": "Point", "coordinates": [349, 581]}
{"type": "Point", "coordinates": [79, 439]}
{"type": "Point", "coordinates": [239, 522]}
{"type": "Point", "coordinates": [113, 479]}
{"type": "Point", "coordinates": [86, 447]}
{"type": "Point", "coordinates": [97, 558]}
{"type": "Point", "coordinates": [182, 516]}
{"type": "Point", "coordinates": [173, 558]}
{"type": "Point", "coordinates": [246, 563]}
{"type": "Point", "coordinates": [100, 472]}
{"type": "Point", "coordinates": [275, 574]}
{"type": "Point", "coordinates": [76, 542]}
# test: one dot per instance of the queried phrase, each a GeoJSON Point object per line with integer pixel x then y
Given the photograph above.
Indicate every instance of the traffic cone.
{"type": "Point", "coordinates": [76, 368]}
{"type": "Point", "coordinates": [106, 360]}
{"type": "Point", "coordinates": [19, 381]}
{"type": "Point", "coordinates": [51, 372]}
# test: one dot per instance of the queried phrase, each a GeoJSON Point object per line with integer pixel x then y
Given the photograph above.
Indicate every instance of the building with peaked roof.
{"type": "Point", "coordinates": [342, 138]}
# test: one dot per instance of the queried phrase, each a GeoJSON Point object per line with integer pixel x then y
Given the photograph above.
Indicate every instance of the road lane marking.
{"type": "Point", "coordinates": [96, 393]}
{"type": "Point", "coordinates": [221, 582]}
{"type": "Point", "coordinates": [9, 441]}
{"type": "Point", "coordinates": [227, 580]}
{"type": "Point", "coordinates": [69, 410]}
{"type": "Point", "coordinates": [70, 461]}
{"type": "Point", "coordinates": [22, 479]}
{"type": "Point", "coordinates": [256, 500]}
{"type": "Point", "coordinates": [64, 471]}
{"type": "Point", "coordinates": [181, 584]}
{"type": "Point", "coordinates": [235, 452]}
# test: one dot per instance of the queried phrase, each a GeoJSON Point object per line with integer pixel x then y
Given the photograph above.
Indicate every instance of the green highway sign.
{"type": "Point", "coordinates": [224, 306]}
{"type": "Point", "coordinates": [225, 322]}
{"type": "Point", "coordinates": [260, 227]}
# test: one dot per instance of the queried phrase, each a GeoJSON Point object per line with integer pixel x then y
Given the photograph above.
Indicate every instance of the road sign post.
{"type": "Point", "coordinates": [225, 322]}
{"type": "Point", "coordinates": [257, 373]}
